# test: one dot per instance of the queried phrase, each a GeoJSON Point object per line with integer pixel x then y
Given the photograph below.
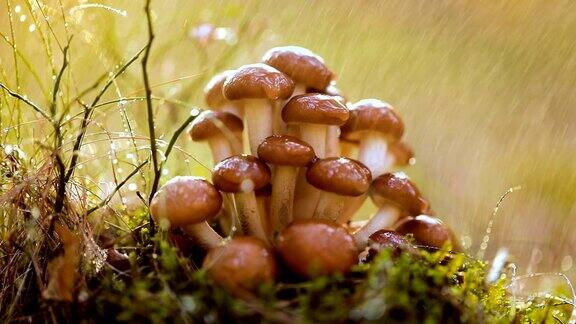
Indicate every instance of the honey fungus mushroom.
{"type": "Point", "coordinates": [241, 265]}
{"type": "Point", "coordinates": [396, 196]}
{"type": "Point", "coordinates": [306, 68]}
{"type": "Point", "coordinates": [339, 179]}
{"type": "Point", "coordinates": [188, 202]}
{"type": "Point", "coordinates": [214, 97]}
{"type": "Point", "coordinates": [429, 231]}
{"type": "Point", "coordinates": [313, 248]}
{"type": "Point", "coordinates": [375, 125]}
{"type": "Point", "coordinates": [287, 154]}
{"type": "Point", "coordinates": [258, 85]}
{"type": "Point", "coordinates": [242, 175]}
{"type": "Point", "coordinates": [222, 130]}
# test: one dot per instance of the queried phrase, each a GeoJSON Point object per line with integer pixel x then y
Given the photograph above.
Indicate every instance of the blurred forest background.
{"type": "Point", "coordinates": [487, 91]}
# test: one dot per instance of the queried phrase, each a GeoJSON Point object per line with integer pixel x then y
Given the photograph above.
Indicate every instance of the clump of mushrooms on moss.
{"type": "Point", "coordinates": [291, 195]}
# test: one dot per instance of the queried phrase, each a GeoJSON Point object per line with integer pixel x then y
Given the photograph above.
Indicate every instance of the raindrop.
{"type": "Point", "coordinates": [17, 9]}
{"type": "Point", "coordinates": [115, 161]}
{"type": "Point", "coordinates": [32, 28]}
{"type": "Point", "coordinates": [132, 187]}
{"type": "Point", "coordinates": [23, 18]}
{"type": "Point", "coordinates": [194, 112]}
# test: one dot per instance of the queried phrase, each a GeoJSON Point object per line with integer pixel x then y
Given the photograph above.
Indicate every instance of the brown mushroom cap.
{"type": "Point", "coordinates": [383, 239]}
{"type": "Point", "coordinates": [315, 108]}
{"type": "Point", "coordinates": [372, 115]}
{"type": "Point", "coordinates": [205, 126]}
{"type": "Point", "coordinates": [257, 81]}
{"type": "Point", "coordinates": [241, 265]}
{"type": "Point", "coordinates": [286, 150]}
{"type": "Point", "coordinates": [402, 152]}
{"type": "Point", "coordinates": [429, 231]}
{"type": "Point", "coordinates": [213, 90]}
{"type": "Point", "coordinates": [315, 247]}
{"type": "Point", "coordinates": [339, 175]}
{"type": "Point", "coordinates": [185, 201]}
{"type": "Point", "coordinates": [300, 64]}
{"type": "Point", "coordinates": [399, 190]}
{"type": "Point", "coordinates": [240, 173]}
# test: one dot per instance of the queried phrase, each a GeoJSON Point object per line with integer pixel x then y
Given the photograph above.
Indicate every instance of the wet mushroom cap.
{"type": "Point", "coordinates": [300, 64]}
{"type": "Point", "coordinates": [402, 152]}
{"type": "Point", "coordinates": [257, 81]}
{"type": "Point", "coordinates": [429, 231]}
{"type": "Point", "coordinates": [383, 239]}
{"type": "Point", "coordinates": [244, 263]}
{"type": "Point", "coordinates": [241, 173]}
{"type": "Point", "coordinates": [286, 150]}
{"type": "Point", "coordinates": [315, 247]}
{"type": "Point", "coordinates": [186, 200]}
{"type": "Point", "coordinates": [315, 108]}
{"type": "Point", "coordinates": [372, 115]}
{"type": "Point", "coordinates": [213, 90]}
{"type": "Point", "coordinates": [213, 123]}
{"type": "Point", "coordinates": [399, 190]}
{"type": "Point", "coordinates": [339, 175]}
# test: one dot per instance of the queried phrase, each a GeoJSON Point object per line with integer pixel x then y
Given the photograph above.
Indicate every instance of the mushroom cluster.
{"type": "Point", "coordinates": [283, 203]}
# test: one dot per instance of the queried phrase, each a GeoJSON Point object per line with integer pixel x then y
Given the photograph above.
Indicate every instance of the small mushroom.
{"type": "Point", "coordinates": [214, 97]}
{"type": "Point", "coordinates": [339, 179]}
{"type": "Point", "coordinates": [333, 131]}
{"type": "Point", "coordinates": [313, 248]}
{"type": "Point", "coordinates": [222, 130]}
{"type": "Point", "coordinates": [258, 85]}
{"type": "Point", "coordinates": [374, 124]}
{"type": "Point", "coordinates": [396, 196]}
{"type": "Point", "coordinates": [242, 175]}
{"type": "Point", "coordinates": [241, 265]}
{"type": "Point", "coordinates": [306, 68]}
{"type": "Point", "coordinates": [288, 154]}
{"type": "Point", "coordinates": [314, 113]}
{"type": "Point", "coordinates": [388, 239]}
{"type": "Point", "coordinates": [429, 231]}
{"type": "Point", "coordinates": [399, 154]}
{"type": "Point", "coordinates": [188, 202]}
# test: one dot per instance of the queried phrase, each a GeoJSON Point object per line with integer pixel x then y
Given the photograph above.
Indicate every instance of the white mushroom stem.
{"type": "Point", "coordinates": [258, 117]}
{"type": "Point", "coordinates": [249, 215]}
{"type": "Point", "coordinates": [279, 126]}
{"type": "Point", "coordinates": [333, 141]}
{"type": "Point", "coordinates": [384, 218]}
{"type": "Point", "coordinates": [282, 200]}
{"type": "Point", "coordinates": [315, 135]}
{"type": "Point", "coordinates": [220, 148]}
{"type": "Point", "coordinates": [372, 152]}
{"type": "Point", "coordinates": [234, 108]}
{"type": "Point", "coordinates": [305, 198]}
{"type": "Point", "coordinates": [263, 208]}
{"type": "Point", "coordinates": [351, 208]}
{"type": "Point", "coordinates": [330, 206]}
{"type": "Point", "coordinates": [205, 235]}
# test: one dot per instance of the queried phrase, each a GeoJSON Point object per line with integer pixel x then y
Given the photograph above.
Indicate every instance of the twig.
{"type": "Point", "coordinates": [118, 187]}
{"type": "Point", "coordinates": [148, 91]}
{"type": "Point", "coordinates": [26, 101]}
{"type": "Point", "coordinates": [176, 135]}
{"type": "Point", "coordinates": [151, 130]}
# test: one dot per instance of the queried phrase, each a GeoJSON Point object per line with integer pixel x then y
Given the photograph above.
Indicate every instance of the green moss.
{"type": "Point", "coordinates": [430, 288]}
